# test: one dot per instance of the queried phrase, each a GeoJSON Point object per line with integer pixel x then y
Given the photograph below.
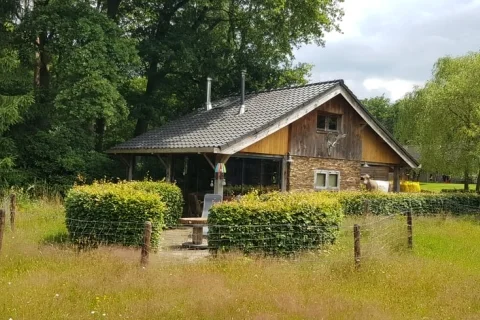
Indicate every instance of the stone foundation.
{"type": "Point", "coordinates": [301, 175]}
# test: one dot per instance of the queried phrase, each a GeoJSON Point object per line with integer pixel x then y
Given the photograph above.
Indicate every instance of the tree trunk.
{"type": "Point", "coordinates": [141, 127]}
{"type": "Point", "coordinates": [466, 178]}
{"type": "Point", "coordinates": [100, 126]}
{"type": "Point", "coordinates": [112, 8]}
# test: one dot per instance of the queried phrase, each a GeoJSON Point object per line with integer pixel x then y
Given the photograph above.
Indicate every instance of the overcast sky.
{"type": "Point", "coordinates": [388, 46]}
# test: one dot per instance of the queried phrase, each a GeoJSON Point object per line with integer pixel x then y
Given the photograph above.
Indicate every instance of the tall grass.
{"type": "Point", "coordinates": [440, 279]}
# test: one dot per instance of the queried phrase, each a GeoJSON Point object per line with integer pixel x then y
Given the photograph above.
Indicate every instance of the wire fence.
{"type": "Point", "coordinates": [360, 238]}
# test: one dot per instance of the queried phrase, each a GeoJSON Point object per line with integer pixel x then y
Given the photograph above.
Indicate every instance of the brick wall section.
{"type": "Point", "coordinates": [302, 172]}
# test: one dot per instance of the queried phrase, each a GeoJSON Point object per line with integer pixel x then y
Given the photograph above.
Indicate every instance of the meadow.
{"type": "Point", "coordinates": [439, 279]}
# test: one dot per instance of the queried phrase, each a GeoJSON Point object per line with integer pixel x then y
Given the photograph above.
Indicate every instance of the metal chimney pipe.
{"type": "Point", "coordinates": [242, 106]}
{"type": "Point", "coordinates": [209, 93]}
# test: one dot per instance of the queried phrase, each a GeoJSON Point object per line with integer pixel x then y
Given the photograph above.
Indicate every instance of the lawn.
{"type": "Point", "coordinates": [437, 187]}
{"type": "Point", "coordinates": [440, 279]}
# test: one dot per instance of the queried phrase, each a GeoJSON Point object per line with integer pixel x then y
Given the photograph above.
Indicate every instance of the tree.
{"type": "Point", "coordinates": [383, 110]}
{"type": "Point", "coordinates": [443, 118]}
{"type": "Point", "coordinates": [182, 42]}
{"type": "Point", "coordinates": [80, 76]}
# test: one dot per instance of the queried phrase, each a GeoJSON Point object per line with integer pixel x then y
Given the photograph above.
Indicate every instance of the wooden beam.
{"type": "Point", "coordinates": [284, 174]}
{"type": "Point", "coordinates": [161, 161]}
{"type": "Point", "coordinates": [167, 164]}
{"type": "Point", "coordinates": [209, 161]}
{"type": "Point", "coordinates": [130, 168]}
{"type": "Point", "coordinates": [218, 180]}
{"type": "Point", "coordinates": [396, 179]}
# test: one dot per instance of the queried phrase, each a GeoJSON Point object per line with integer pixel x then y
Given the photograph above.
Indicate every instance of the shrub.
{"type": "Point", "coordinates": [420, 203]}
{"type": "Point", "coordinates": [112, 214]}
{"type": "Point", "coordinates": [169, 193]}
{"type": "Point", "coordinates": [457, 191]}
{"type": "Point", "coordinates": [410, 186]}
{"type": "Point", "coordinates": [275, 224]}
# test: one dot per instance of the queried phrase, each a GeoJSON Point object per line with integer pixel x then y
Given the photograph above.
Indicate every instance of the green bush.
{"type": "Point", "coordinates": [354, 203]}
{"type": "Point", "coordinates": [457, 191]}
{"type": "Point", "coordinates": [112, 214]}
{"type": "Point", "coordinates": [275, 224]}
{"type": "Point", "coordinates": [169, 193]}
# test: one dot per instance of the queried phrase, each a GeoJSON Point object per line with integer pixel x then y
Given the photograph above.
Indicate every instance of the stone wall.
{"type": "Point", "coordinates": [301, 175]}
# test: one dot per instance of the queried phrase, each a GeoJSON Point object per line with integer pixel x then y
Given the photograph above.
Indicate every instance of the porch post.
{"type": "Point", "coordinates": [167, 164]}
{"type": "Point", "coordinates": [396, 179]}
{"type": "Point", "coordinates": [220, 160]}
{"type": "Point", "coordinates": [130, 168]}
{"type": "Point", "coordinates": [284, 174]}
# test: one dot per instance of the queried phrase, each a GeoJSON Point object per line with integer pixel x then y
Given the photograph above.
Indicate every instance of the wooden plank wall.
{"type": "Point", "coordinates": [275, 144]}
{"type": "Point", "coordinates": [306, 141]}
{"type": "Point", "coordinates": [374, 149]}
{"type": "Point", "coordinates": [376, 172]}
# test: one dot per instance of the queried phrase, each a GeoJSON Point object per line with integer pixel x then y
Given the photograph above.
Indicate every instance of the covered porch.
{"type": "Point", "coordinates": [200, 173]}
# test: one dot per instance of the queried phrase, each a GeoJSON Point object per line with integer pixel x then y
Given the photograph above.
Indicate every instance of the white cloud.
{"type": "Point", "coordinates": [388, 46]}
{"type": "Point", "coordinates": [396, 87]}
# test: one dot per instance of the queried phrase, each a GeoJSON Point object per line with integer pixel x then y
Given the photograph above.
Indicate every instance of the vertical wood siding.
{"type": "Point", "coordinates": [275, 144]}
{"type": "Point", "coordinates": [306, 141]}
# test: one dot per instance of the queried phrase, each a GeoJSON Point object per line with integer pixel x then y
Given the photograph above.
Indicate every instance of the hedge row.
{"type": "Point", "coordinates": [169, 193]}
{"type": "Point", "coordinates": [274, 224]}
{"type": "Point", "coordinates": [116, 213]}
{"type": "Point", "coordinates": [457, 191]}
{"type": "Point", "coordinates": [112, 214]}
{"type": "Point", "coordinates": [354, 203]}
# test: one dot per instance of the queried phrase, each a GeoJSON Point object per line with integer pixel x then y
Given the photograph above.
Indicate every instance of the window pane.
{"type": "Point", "coordinates": [332, 123]}
{"type": "Point", "coordinates": [321, 121]}
{"type": "Point", "coordinates": [332, 180]}
{"type": "Point", "coordinates": [320, 182]}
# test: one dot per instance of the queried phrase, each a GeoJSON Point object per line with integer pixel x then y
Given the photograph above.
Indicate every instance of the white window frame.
{"type": "Point", "coordinates": [326, 173]}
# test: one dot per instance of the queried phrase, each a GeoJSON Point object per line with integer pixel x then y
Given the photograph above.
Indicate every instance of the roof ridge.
{"type": "Point", "coordinates": [340, 81]}
{"type": "Point", "coordinates": [298, 86]}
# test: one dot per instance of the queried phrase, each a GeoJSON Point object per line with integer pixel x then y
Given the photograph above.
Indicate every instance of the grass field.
{"type": "Point", "coordinates": [437, 187]}
{"type": "Point", "coordinates": [440, 279]}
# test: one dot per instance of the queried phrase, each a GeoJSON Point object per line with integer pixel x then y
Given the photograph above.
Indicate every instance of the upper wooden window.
{"type": "Point", "coordinates": [328, 122]}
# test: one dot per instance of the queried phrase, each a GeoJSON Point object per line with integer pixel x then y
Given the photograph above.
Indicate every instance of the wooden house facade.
{"type": "Point", "coordinates": [313, 137]}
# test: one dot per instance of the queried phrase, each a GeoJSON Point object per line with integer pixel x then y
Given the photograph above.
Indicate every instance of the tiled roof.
{"type": "Point", "coordinates": [223, 124]}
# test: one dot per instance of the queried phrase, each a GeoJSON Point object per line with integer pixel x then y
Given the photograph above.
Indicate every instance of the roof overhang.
{"type": "Point", "coordinates": [311, 106]}
{"type": "Point", "coordinates": [160, 151]}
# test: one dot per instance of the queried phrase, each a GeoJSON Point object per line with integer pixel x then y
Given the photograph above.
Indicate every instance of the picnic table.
{"type": "Point", "coordinates": [197, 235]}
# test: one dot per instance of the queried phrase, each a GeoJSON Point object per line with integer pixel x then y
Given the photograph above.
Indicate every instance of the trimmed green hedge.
{"type": "Point", "coordinates": [277, 224]}
{"type": "Point", "coordinates": [169, 193]}
{"type": "Point", "coordinates": [457, 191]}
{"type": "Point", "coordinates": [420, 203]}
{"type": "Point", "coordinates": [110, 213]}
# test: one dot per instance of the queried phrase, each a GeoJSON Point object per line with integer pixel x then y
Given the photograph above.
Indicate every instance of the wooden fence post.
{"type": "Point", "coordinates": [356, 248]}
{"type": "Point", "coordinates": [366, 207]}
{"type": "Point", "coordinates": [410, 229]}
{"type": "Point", "coordinates": [147, 236]}
{"type": "Point", "coordinates": [2, 226]}
{"type": "Point", "coordinates": [13, 210]}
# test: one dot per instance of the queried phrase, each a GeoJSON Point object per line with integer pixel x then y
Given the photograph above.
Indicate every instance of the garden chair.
{"type": "Point", "coordinates": [208, 202]}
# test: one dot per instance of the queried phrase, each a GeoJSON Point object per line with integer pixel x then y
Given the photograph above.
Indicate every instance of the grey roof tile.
{"type": "Point", "coordinates": [222, 124]}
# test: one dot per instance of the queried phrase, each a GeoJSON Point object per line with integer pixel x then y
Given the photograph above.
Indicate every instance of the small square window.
{"type": "Point", "coordinates": [333, 180]}
{"type": "Point", "coordinates": [326, 180]}
{"type": "Point", "coordinates": [320, 181]}
{"type": "Point", "coordinates": [333, 123]}
{"type": "Point", "coordinates": [328, 123]}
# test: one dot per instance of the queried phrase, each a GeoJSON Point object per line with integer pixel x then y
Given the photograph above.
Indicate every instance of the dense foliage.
{"type": "Point", "coordinates": [112, 214]}
{"type": "Point", "coordinates": [275, 223]}
{"type": "Point", "coordinates": [377, 203]}
{"type": "Point", "coordinates": [77, 77]}
{"type": "Point", "coordinates": [443, 118]}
